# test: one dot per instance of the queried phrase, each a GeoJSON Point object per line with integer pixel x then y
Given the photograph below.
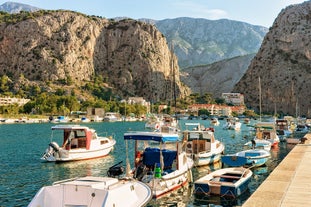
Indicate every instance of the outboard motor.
{"type": "Point", "coordinates": [53, 147]}
{"type": "Point", "coordinates": [115, 170]}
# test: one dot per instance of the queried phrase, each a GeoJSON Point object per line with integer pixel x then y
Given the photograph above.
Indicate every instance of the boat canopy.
{"type": "Point", "coordinates": [265, 125]}
{"type": "Point", "coordinates": [69, 127]}
{"type": "Point", "coordinates": [159, 137]}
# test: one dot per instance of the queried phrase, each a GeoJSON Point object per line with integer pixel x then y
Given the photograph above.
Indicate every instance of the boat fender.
{"type": "Point", "coordinates": [157, 127]}
{"type": "Point", "coordinates": [158, 171]}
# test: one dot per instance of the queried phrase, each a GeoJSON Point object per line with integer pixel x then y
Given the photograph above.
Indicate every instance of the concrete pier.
{"type": "Point", "coordinates": [289, 184]}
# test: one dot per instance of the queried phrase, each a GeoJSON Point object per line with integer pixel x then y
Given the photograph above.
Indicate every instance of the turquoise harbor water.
{"type": "Point", "coordinates": [23, 173]}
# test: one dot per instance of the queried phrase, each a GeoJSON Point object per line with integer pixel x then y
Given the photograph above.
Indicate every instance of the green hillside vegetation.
{"type": "Point", "coordinates": [64, 98]}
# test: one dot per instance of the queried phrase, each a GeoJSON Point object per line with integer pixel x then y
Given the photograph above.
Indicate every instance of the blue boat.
{"type": "Point", "coordinates": [229, 182]}
{"type": "Point", "coordinates": [160, 161]}
{"type": "Point", "coordinates": [247, 158]}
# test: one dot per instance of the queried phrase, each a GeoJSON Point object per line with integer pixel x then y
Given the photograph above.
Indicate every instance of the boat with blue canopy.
{"type": "Point", "coordinates": [159, 160]}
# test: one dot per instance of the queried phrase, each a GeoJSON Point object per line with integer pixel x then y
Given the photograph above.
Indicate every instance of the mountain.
{"type": "Point", "coordinates": [216, 78]}
{"type": "Point", "coordinates": [218, 50]}
{"type": "Point", "coordinates": [283, 65]}
{"type": "Point", "coordinates": [49, 48]}
{"type": "Point", "coordinates": [13, 7]}
{"type": "Point", "coordinates": [201, 41]}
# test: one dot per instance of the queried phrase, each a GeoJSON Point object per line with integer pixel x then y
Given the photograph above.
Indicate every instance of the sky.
{"type": "Point", "coordinates": [256, 12]}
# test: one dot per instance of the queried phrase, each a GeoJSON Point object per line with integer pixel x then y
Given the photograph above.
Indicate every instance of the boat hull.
{"type": "Point", "coordinates": [64, 155]}
{"type": "Point", "coordinates": [202, 159]}
{"type": "Point", "coordinates": [259, 144]}
{"type": "Point", "coordinates": [169, 183]}
{"type": "Point", "coordinates": [219, 189]}
{"type": "Point", "coordinates": [93, 192]}
{"type": "Point", "coordinates": [230, 182]}
{"type": "Point", "coordinates": [76, 155]}
{"type": "Point", "coordinates": [247, 158]}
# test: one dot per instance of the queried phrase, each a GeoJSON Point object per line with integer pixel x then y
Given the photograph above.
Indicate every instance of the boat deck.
{"type": "Point", "coordinates": [289, 184]}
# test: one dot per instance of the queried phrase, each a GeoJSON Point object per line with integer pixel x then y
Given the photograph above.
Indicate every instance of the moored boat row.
{"type": "Point", "coordinates": [164, 158]}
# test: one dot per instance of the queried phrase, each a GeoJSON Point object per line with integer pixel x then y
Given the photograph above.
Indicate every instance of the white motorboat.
{"type": "Point", "coordinates": [112, 117]}
{"type": "Point", "coordinates": [233, 123]}
{"type": "Point", "coordinates": [160, 161]}
{"type": "Point", "coordinates": [93, 192]}
{"type": "Point", "coordinates": [78, 143]}
{"type": "Point", "coordinates": [156, 123]}
{"type": "Point", "coordinates": [214, 121]}
{"type": "Point", "coordinates": [60, 119]}
{"type": "Point", "coordinates": [201, 144]}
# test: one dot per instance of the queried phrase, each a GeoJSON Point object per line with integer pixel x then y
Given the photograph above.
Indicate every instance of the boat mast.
{"type": "Point", "coordinates": [259, 98]}
{"type": "Point", "coordinates": [174, 78]}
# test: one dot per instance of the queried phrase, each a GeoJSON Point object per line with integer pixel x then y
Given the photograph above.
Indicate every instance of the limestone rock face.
{"type": "Point", "coordinates": [136, 59]}
{"type": "Point", "coordinates": [133, 57]}
{"type": "Point", "coordinates": [216, 78]}
{"type": "Point", "coordinates": [283, 64]}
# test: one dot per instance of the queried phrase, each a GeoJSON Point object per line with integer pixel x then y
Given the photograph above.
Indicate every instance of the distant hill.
{"type": "Point", "coordinates": [196, 41]}
{"type": "Point", "coordinates": [216, 78]}
{"type": "Point", "coordinates": [13, 7]}
{"type": "Point", "coordinates": [202, 41]}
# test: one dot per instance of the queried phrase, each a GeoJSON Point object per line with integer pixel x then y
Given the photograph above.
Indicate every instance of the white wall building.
{"type": "Point", "coordinates": [5, 101]}
{"type": "Point", "coordinates": [236, 99]}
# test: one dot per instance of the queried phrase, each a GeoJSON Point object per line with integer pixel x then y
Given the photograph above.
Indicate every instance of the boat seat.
{"type": "Point", "coordinates": [151, 156]}
{"type": "Point", "coordinates": [227, 176]}
{"type": "Point", "coordinates": [252, 154]}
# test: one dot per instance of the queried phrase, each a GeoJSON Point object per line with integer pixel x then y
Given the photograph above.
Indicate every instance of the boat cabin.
{"type": "Point", "coordinates": [199, 141]}
{"type": "Point", "coordinates": [76, 137]}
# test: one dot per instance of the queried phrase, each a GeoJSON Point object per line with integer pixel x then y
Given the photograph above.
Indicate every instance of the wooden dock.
{"type": "Point", "coordinates": [289, 184]}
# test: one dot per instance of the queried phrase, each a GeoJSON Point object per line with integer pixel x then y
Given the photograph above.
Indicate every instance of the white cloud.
{"type": "Point", "coordinates": [192, 9]}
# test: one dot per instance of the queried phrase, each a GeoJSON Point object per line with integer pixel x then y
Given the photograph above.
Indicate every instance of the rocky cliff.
{"type": "Point", "coordinates": [216, 78]}
{"type": "Point", "coordinates": [49, 46]}
{"type": "Point", "coordinates": [283, 64]}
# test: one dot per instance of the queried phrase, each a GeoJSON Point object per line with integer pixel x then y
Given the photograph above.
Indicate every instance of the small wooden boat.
{"type": "Point", "coordinates": [259, 144]}
{"type": "Point", "coordinates": [78, 143]}
{"type": "Point", "coordinates": [93, 192]}
{"type": "Point", "coordinates": [201, 144]}
{"type": "Point", "coordinates": [231, 182]}
{"type": "Point", "coordinates": [293, 140]}
{"type": "Point", "coordinates": [267, 131]}
{"type": "Point", "coordinates": [247, 158]}
{"type": "Point", "coordinates": [283, 128]}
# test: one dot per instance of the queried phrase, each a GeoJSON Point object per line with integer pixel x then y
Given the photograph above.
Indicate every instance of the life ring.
{"type": "Point", "coordinates": [157, 126]}
{"type": "Point", "coordinates": [189, 145]}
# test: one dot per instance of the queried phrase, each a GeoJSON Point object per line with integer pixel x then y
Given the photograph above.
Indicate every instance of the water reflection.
{"type": "Point", "coordinates": [178, 198]}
